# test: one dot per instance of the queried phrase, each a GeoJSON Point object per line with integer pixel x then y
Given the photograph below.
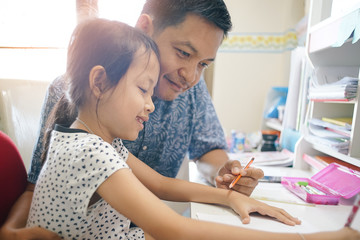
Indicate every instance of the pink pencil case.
{"type": "Point", "coordinates": [335, 181]}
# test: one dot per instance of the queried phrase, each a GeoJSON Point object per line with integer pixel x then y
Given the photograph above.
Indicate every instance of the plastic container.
{"type": "Point", "coordinates": [335, 181]}
{"type": "Point", "coordinates": [269, 140]}
{"type": "Point", "coordinates": [276, 97]}
{"type": "Point", "coordinates": [237, 141]}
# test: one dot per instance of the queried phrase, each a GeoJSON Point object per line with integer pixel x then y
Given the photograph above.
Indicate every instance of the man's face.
{"type": "Point", "coordinates": [185, 50]}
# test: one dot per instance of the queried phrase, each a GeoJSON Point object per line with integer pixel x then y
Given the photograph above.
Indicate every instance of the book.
{"type": "Point", "coordinates": [328, 126]}
{"type": "Point", "coordinates": [331, 100]}
{"type": "Point", "coordinates": [345, 133]}
{"type": "Point", "coordinates": [283, 158]}
{"type": "Point", "coordinates": [345, 121]}
{"type": "Point", "coordinates": [329, 159]}
{"type": "Point", "coordinates": [315, 163]}
{"type": "Point", "coordinates": [336, 144]}
{"type": "Point", "coordinates": [324, 132]}
{"type": "Point", "coordinates": [345, 88]}
{"type": "Point", "coordinates": [321, 161]}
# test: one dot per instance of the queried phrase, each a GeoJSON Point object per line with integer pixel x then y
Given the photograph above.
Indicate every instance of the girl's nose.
{"type": "Point", "coordinates": [149, 106]}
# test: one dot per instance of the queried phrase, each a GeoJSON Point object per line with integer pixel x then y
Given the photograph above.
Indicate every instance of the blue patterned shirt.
{"type": "Point", "coordinates": [186, 125]}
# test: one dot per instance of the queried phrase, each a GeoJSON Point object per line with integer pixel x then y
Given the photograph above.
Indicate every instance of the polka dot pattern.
{"type": "Point", "coordinates": [77, 164]}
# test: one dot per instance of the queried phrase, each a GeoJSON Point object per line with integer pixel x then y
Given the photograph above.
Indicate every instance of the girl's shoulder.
{"type": "Point", "coordinates": [95, 151]}
{"type": "Point", "coordinates": [96, 144]}
{"type": "Point", "coordinates": [87, 145]}
{"type": "Point", "coordinates": [120, 148]}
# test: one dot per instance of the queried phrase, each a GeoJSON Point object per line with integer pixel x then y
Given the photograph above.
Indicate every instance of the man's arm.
{"type": "Point", "coordinates": [208, 145]}
{"type": "Point", "coordinates": [220, 171]}
{"type": "Point", "coordinates": [210, 163]}
{"type": "Point", "coordinates": [14, 227]}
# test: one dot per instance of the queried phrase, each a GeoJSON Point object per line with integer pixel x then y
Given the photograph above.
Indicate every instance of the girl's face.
{"type": "Point", "coordinates": [123, 109]}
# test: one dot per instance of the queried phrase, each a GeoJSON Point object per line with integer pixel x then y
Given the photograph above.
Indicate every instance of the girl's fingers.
{"type": "Point", "coordinates": [279, 214]}
{"type": "Point", "coordinates": [244, 215]}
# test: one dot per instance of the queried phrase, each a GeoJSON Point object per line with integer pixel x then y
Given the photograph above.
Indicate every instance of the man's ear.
{"type": "Point", "coordinates": [145, 24]}
{"type": "Point", "coordinates": [97, 80]}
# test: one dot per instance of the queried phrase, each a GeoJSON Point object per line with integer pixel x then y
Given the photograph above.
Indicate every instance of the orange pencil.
{"type": "Point", "coordinates": [238, 177]}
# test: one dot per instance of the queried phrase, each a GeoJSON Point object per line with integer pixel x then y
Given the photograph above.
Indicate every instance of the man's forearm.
{"type": "Point", "coordinates": [20, 210]}
{"type": "Point", "coordinates": [210, 163]}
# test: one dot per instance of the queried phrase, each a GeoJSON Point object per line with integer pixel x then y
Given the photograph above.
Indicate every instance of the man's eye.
{"type": "Point", "coordinates": [183, 53]}
{"type": "Point", "coordinates": [204, 65]}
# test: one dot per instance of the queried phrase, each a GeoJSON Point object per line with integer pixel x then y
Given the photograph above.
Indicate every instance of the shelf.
{"type": "Point", "coordinates": [341, 101]}
{"type": "Point", "coordinates": [346, 55]}
{"type": "Point", "coordinates": [331, 109]}
{"type": "Point", "coordinates": [274, 123]}
{"type": "Point", "coordinates": [329, 28]}
{"type": "Point", "coordinates": [312, 148]}
{"type": "Point", "coordinates": [333, 32]}
{"type": "Point", "coordinates": [324, 149]}
{"type": "Point", "coordinates": [333, 54]}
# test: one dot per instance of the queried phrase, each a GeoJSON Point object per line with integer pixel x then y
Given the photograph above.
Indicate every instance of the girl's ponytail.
{"type": "Point", "coordinates": [64, 113]}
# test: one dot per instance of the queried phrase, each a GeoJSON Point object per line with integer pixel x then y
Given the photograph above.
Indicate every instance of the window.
{"type": "Point", "coordinates": [36, 23]}
{"type": "Point", "coordinates": [122, 10]}
{"type": "Point", "coordinates": [35, 34]}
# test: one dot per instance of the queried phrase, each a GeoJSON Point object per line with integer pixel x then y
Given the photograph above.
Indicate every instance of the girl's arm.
{"type": "Point", "coordinates": [184, 191]}
{"type": "Point", "coordinates": [123, 191]}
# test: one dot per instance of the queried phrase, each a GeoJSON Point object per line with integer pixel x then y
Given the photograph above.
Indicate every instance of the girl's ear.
{"type": "Point", "coordinates": [97, 81]}
{"type": "Point", "coordinates": [145, 24]}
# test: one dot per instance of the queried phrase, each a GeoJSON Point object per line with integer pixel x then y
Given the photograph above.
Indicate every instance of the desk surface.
{"type": "Point", "coordinates": [314, 217]}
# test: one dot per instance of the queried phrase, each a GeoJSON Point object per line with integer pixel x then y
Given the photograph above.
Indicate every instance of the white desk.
{"type": "Point", "coordinates": [314, 217]}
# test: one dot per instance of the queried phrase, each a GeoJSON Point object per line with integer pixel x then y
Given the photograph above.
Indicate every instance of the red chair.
{"type": "Point", "coordinates": [13, 176]}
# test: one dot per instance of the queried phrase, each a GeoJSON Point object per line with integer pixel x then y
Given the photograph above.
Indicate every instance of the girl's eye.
{"type": "Point", "coordinates": [143, 90]}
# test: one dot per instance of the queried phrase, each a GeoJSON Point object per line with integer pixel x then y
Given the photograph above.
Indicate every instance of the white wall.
{"type": "Point", "coordinates": [20, 105]}
{"type": "Point", "coordinates": [242, 80]}
{"type": "Point", "coordinates": [24, 77]}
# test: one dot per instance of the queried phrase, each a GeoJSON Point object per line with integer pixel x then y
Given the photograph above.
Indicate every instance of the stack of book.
{"type": "Point", "coordinates": [332, 132]}
{"type": "Point", "coordinates": [342, 90]}
{"type": "Point", "coordinates": [319, 162]}
{"type": "Point", "coordinates": [283, 158]}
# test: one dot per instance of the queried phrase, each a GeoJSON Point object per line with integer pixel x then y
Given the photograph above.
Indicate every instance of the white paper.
{"type": "Point", "coordinates": [271, 158]}
{"type": "Point", "coordinates": [258, 223]}
{"type": "Point", "coordinates": [265, 192]}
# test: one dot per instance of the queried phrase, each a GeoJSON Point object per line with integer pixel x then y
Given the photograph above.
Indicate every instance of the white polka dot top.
{"type": "Point", "coordinates": [77, 163]}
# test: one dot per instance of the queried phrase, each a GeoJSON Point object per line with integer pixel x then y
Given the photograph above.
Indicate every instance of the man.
{"type": "Point", "coordinates": [188, 34]}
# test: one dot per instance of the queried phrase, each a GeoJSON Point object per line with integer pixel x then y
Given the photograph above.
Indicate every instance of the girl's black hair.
{"type": "Point", "coordinates": [110, 44]}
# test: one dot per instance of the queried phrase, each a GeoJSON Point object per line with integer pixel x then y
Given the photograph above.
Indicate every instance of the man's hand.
{"type": "Point", "coordinates": [27, 234]}
{"type": "Point", "coordinates": [15, 224]}
{"type": "Point", "coordinates": [247, 182]}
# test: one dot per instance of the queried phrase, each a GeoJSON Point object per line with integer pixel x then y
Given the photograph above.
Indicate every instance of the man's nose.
{"type": "Point", "coordinates": [189, 74]}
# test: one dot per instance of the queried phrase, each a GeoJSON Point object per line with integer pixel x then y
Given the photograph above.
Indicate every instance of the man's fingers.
{"type": "Point", "coordinates": [227, 168]}
{"type": "Point", "coordinates": [246, 179]}
{"type": "Point", "coordinates": [234, 167]}
{"type": "Point", "coordinates": [229, 165]}
{"type": "Point", "coordinates": [255, 173]}
{"type": "Point", "coordinates": [245, 185]}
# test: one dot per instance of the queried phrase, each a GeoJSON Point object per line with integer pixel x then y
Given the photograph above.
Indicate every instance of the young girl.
{"type": "Point", "coordinates": [90, 186]}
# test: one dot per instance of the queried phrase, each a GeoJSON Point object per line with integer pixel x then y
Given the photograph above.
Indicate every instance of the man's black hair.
{"type": "Point", "coordinates": [167, 13]}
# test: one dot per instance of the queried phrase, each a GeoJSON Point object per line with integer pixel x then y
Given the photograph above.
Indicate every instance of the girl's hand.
{"type": "Point", "coordinates": [244, 205]}
{"type": "Point", "coordinates": [342, 234]}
